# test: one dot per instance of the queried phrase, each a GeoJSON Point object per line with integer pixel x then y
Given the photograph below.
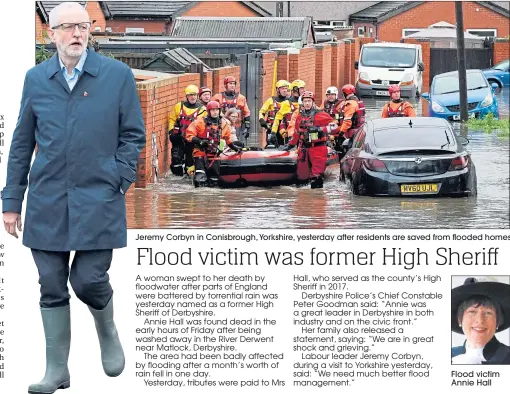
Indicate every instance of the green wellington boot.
{"type": "Point", "coordinates": [112, 354]}
{"type": "Point", "coordinates": [57, 330]}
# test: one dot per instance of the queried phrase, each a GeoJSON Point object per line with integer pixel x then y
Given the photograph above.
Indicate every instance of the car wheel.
{"type": "Point", "coordinates": [491, 81]}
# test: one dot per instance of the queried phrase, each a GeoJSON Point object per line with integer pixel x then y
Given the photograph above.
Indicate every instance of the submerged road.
{"type": "Point", "coordinates": [175, 203]}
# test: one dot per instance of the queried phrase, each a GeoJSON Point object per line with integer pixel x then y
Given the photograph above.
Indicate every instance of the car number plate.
{"type": "Point", "coordinates": [420, 188]}
{"type": "Point", "coordinates": [472, 115]}
{"type": "Point", "coordinates": [382, 93]}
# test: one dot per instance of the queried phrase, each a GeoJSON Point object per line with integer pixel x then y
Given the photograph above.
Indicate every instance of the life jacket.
{"type": "Point", "coordinates": [306, 123]}
{"type": "Point", "coordinates": [213, 134]}
{"type": "Point", "coordinates": [184, 120]}
{"type": "Point", "coordinates": [398, 113]}
{"type": "Point", "coordinates": [359, 116]}
{"type": "Point", "coordinates": [330, 108]}
{"type": "Point", "coordinates": [286, 119]}
{"type": "Point", "coordinates": [227, 102]}
{"type": "Point", "coordinates": [272, 114]}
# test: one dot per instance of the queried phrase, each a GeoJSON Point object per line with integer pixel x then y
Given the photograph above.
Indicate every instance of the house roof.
{"type": "Point", "coordinates": [141, 9]}
{"type": "Point", "coordinates": [179, 59]}
{"type": "Point", "coordinates": [261, 29]}
{"type": "Point", "coordinates": [326, 10]}
{"type": "Point", "coordinates": [384, 10]}
{"type": "Point", "coordinates": [43, 8]}
{"type": "Point", "coordinates": [158, 9]}
{"type": "Point", "coordinates": [387, 9]}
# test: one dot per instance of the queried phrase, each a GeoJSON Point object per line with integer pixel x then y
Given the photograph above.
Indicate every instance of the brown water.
{"type": "Point", "coordinates": [175, 203]}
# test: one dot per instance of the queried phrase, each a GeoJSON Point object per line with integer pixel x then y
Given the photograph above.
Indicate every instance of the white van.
{"type": "Point", "coordinates": [389, 63]}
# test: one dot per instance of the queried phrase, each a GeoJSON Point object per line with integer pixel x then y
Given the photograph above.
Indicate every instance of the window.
{"type": "Point", "coordinates": [328, 24]}
{"type": "Point", "coordinates": [484, 32]}
{"type": "Point", "coordinates": [408, 32]}
{"type": "Point", "coordinates": [135, 30]}
{"type": "Point", "coordinates": [361, 31]}
{"type": "Point", "coordinates": [386, 57]}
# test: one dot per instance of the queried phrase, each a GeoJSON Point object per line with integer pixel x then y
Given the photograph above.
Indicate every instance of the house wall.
{"type": "Point", "coordinates": [40, 28]}
{"type": "Point", "coordinates": [501, 50]}
{"type": "Point", "coordinates": [226, 9]}
{"type": "Point", "coordinates": [475, 15]}
{"type": "Point", "coordinates": [119, 25]}
{"type": "Point", "coordinates": [96, 13]}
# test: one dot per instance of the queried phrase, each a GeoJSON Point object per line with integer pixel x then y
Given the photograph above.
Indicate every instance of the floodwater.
{"type": "Point", "coordinates": [175, 203]}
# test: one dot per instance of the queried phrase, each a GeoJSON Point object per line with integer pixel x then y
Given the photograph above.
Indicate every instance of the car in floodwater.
{"type": "Point", "coordinates": [500, 74]}
{"type": "Point", "coordinates": [444, 96]}
{"type": "Point", "coordinates": [419, 156]}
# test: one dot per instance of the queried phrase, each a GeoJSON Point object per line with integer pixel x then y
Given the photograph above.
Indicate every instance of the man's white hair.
{"type": "Point", "coordinates": [55, 12]}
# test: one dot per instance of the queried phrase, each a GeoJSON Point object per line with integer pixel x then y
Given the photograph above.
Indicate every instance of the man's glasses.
{"type": "Point", "coordinates": [68, 27]}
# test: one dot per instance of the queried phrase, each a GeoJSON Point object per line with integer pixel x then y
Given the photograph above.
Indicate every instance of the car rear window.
{"type": "Point", "coordinates": [413, 138]}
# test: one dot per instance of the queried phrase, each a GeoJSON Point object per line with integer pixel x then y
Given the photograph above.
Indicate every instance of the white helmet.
{"type": "Point", "coordinates": [332, 90]}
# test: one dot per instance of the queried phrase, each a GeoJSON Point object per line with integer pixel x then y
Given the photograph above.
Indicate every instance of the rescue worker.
{"type": "Point", "coordinates": [351, 117]}
{"type": "Point", "coordinates": [283, 116]}
{"type": "Point", "coordinates": [230, 99]}
{"type": "Point", "coordinates": [310, 127]}
{"type": "Point", "coordinates": [183, 114]}
{"type": "Point", "coordinates": [331, 104]}
{"type": "Point", "coordinates": [269, 110]}
{"type": "Point", "coordinates": [204, 95]}
{"type": "Point", "coordinates": [206, 134]}
{"type": "Point", "coordinates": [397, 107]}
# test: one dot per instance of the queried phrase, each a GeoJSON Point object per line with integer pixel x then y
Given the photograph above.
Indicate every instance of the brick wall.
{"type": "Point", "coordinates": [283, 65]}
{"type": "Point", "coordinates": [268, 60]}
{"type": "Point", "coordinates": [475, 15]}
{"type": "Point", "coordinates": [501, 50]}
{"type": "Point", "coordinates": [207, 79]}
{"type": "Point", "coordinates": [322, 71]}
{"type": "Point", "coordinates": [219, 74]}
{"type": "Point", "coordinates": [216, 8]}
{"type": "Point", "coordinates": [40, 27]}
{"type": "Point", "coordinates": [119, 26]}
{"type": "Point", "coordinates": [302, 66]}
{"type": "Point", "coordinates": [96, 13]}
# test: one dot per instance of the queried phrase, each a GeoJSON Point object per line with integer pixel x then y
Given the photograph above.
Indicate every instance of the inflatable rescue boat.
{"type": "Point", "coordinates": [263, 166]}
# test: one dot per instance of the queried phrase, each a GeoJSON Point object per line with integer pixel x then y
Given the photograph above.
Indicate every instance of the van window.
{"type": "Point", "coordinates": [388, 57]}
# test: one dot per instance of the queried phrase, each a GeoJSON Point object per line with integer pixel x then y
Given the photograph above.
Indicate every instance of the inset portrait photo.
{"type": "Point", "coordinates": [480, 320]}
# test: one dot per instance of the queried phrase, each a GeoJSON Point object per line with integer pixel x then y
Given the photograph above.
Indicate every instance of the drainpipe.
{"type": "Point", "coordinates": [288, 9]}
{"type": "Point", "coordinates": [376, 31]}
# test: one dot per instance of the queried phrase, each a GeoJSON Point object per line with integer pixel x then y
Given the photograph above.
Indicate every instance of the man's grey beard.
{"type": "Point", "coordinates": [69, 52]}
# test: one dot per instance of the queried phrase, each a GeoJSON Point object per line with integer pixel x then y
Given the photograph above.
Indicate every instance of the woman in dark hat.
{"type": "Point", "coordinates": [479, 310]}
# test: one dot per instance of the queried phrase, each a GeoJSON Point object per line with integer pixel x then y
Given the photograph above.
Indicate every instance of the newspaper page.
{"type": "Point", "coordinates": [312, 255]}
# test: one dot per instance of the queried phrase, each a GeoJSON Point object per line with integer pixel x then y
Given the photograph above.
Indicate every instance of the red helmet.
{"type": "Point", "coordinates": [348, 89]}
{"type": "Point", "coordinates": [229, 79]}
{"type": "Point", "coordinates": [308, 94]}
{"type": "Point", "coordinates": [212, 105]}
{"type": "Point", "coordinates": [393, 88]}
{"type": "Point", "coordinates": [203, 90]}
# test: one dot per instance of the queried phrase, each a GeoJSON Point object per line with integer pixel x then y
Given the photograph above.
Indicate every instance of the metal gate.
{"type": "Point", "coordinates": [443, 60]}
{"type": "Point", "coordinates": [250, 85]}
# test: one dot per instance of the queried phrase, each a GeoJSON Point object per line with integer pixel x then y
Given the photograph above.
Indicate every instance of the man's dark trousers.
{"type": "Point", "coordinates": [88, 277]}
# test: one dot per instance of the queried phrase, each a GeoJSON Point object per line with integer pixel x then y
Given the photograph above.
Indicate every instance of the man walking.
{"type": "Point", "coordinates": [83, 112]}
